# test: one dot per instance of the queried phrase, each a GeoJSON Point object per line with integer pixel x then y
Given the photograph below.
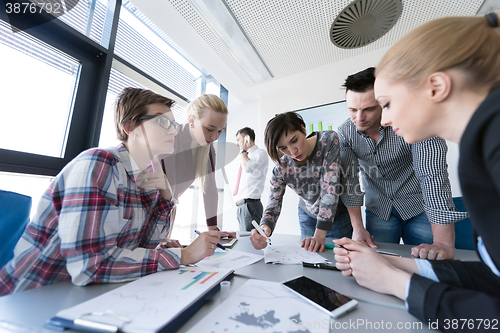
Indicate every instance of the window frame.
{"type": "Point", "coordinates": [84, 128]}
{"type": "Point", "coordinates": [90, 96]}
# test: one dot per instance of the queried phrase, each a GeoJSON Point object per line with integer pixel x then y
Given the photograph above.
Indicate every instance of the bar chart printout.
{"type": "Point", "coordinates": [201, 277]}
{"type": "Point", "coordinates": [143, 302]}
{"type": "Point", "coordinates": [228, 259]}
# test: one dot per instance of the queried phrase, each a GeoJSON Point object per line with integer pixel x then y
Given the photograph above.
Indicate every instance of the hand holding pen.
{"type": "Point", "coordinates": [220, 246]}
{"type": "Point", "coordinates": [203, 246]}
{"type": "Point", "coordinates": [260, 236]}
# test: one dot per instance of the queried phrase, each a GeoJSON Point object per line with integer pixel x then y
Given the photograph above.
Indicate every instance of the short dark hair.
{"type": "Point", "coordinates": [361, 81]}
{"type": "Point", "coordinates": [283, 123]}
{"type": "Point", "coordinates": [247, 131]}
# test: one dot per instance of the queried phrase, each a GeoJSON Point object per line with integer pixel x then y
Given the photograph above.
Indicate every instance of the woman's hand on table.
{"type": "Point", "coordinates": [313, 244]}
{"type": "Point", "coordinates": [316, 242]}
{"type": "Point", "coordinates": [433, 251]}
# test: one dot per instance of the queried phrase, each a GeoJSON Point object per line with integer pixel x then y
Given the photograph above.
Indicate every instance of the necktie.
{"type": "Point", "coordinates": [237, 182]}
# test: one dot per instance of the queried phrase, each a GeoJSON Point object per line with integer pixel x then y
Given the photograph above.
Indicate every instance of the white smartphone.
{"type": "Point", "coordinates": [323, 297]}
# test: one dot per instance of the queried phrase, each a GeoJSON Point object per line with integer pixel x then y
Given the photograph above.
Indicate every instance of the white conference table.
{"type": "Point", "coordinates": [29, 310]}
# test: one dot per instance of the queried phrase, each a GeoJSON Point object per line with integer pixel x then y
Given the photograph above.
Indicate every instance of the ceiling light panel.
{"type": "Point", "coordinates": [223, 23]}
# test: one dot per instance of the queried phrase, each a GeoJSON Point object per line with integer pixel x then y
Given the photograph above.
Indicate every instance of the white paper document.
{"type": "Point", "coordinates": [291, 254]}
{"type": "Point", "coordinates": [264, 306]}
{"type": "Point", "coordinates": [229, 259]}
{"type": "Point", "coordinates": [149, 303]}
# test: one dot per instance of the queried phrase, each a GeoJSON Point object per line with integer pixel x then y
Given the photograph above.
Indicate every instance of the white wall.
{"type": "Point", "coordinates": [452, 159]}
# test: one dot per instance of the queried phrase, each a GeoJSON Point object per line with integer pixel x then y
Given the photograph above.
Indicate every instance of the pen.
{"type": "Point", "coordinates": [320, 265]}
{"type": "Point", "coordinates": [218, 245]}
{"type": "Point", "coordinates": [261, 232]}
{"type": "Point", "coordinates": [337, 245]}
{"type": "Point", "coordinates": [389, 253]}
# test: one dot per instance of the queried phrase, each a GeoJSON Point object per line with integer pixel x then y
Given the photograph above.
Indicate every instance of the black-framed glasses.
{"type": "Point", "coordinates": [162, 120]}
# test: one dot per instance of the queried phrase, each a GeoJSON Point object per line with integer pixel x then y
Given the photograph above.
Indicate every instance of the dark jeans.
{"type": "Point", "coordinates": [414, 231]}
{"type": "Point", "coordinates": [341, 225]}
{"type": "Point", "coordinates": [248, 212]}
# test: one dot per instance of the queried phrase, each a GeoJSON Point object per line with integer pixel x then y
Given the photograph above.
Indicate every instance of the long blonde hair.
{"type": "Point", "coordinates": [469, 44]}
{"type": "Point", "coordinates": [197, 108]}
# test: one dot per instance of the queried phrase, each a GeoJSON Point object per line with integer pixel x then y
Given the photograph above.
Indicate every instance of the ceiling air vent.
{"type": "Point", "coordinates": [364, 21]}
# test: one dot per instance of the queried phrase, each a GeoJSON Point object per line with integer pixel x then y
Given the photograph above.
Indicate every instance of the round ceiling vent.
{"type": "Point", "coordinates": [364, 21]}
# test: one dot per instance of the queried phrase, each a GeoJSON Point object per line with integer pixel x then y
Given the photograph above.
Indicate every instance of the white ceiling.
{"type": "Point", "coordinates": [290, 35]}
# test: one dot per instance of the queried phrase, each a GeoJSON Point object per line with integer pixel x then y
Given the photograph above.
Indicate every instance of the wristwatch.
{"type": "Point", "coordinates": [243, 151]}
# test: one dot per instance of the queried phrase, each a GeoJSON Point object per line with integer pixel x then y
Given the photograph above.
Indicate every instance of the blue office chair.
{"type": "Point", "coordinates": [464, 238]}
{"type": "Point", "coordinates": [14, 216]}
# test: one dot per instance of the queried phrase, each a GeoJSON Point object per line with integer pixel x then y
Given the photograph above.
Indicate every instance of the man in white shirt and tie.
{"type": "Point", "coordinates": [251, 179]}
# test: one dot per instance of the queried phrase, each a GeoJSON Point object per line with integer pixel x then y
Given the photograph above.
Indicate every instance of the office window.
{"type": "Point", "coordinates": [117, 82]}
{"type": "Point", "coordinates": [89, 18]}
{"type": "Point", "coordinates": [37, 94]}
{"type": "Point", "coordinates": [142, 44]}
{"type": "Point", "coordinates": [30, 185]}
{"type": "Point", "coordinates": [59, 101]}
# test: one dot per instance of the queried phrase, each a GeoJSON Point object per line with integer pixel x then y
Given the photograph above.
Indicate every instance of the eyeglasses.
{"type": "Point", "coordinates": [163, 121]}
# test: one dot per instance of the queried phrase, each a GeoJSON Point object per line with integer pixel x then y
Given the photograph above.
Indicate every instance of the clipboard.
{"type": "Point", "coordinates": [168, 293]}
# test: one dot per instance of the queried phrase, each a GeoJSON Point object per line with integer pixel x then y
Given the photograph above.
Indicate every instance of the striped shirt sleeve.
{"type": "Point", "coordinates": [351, 195]}
{"type": "Point", "coordinates": [431, 169]}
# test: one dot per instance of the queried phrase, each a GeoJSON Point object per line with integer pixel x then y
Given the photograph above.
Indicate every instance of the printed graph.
{"type": "Point", "coordinates": [152, 301]}
{"type": "Point", "coordinates": [201, 278]}
{"type": "Point", "coordinates": [231, 259]}
{"type": "Point", "coordinates": [217, 254]}
{"type": "Point", "coordinates": [290, 254]}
